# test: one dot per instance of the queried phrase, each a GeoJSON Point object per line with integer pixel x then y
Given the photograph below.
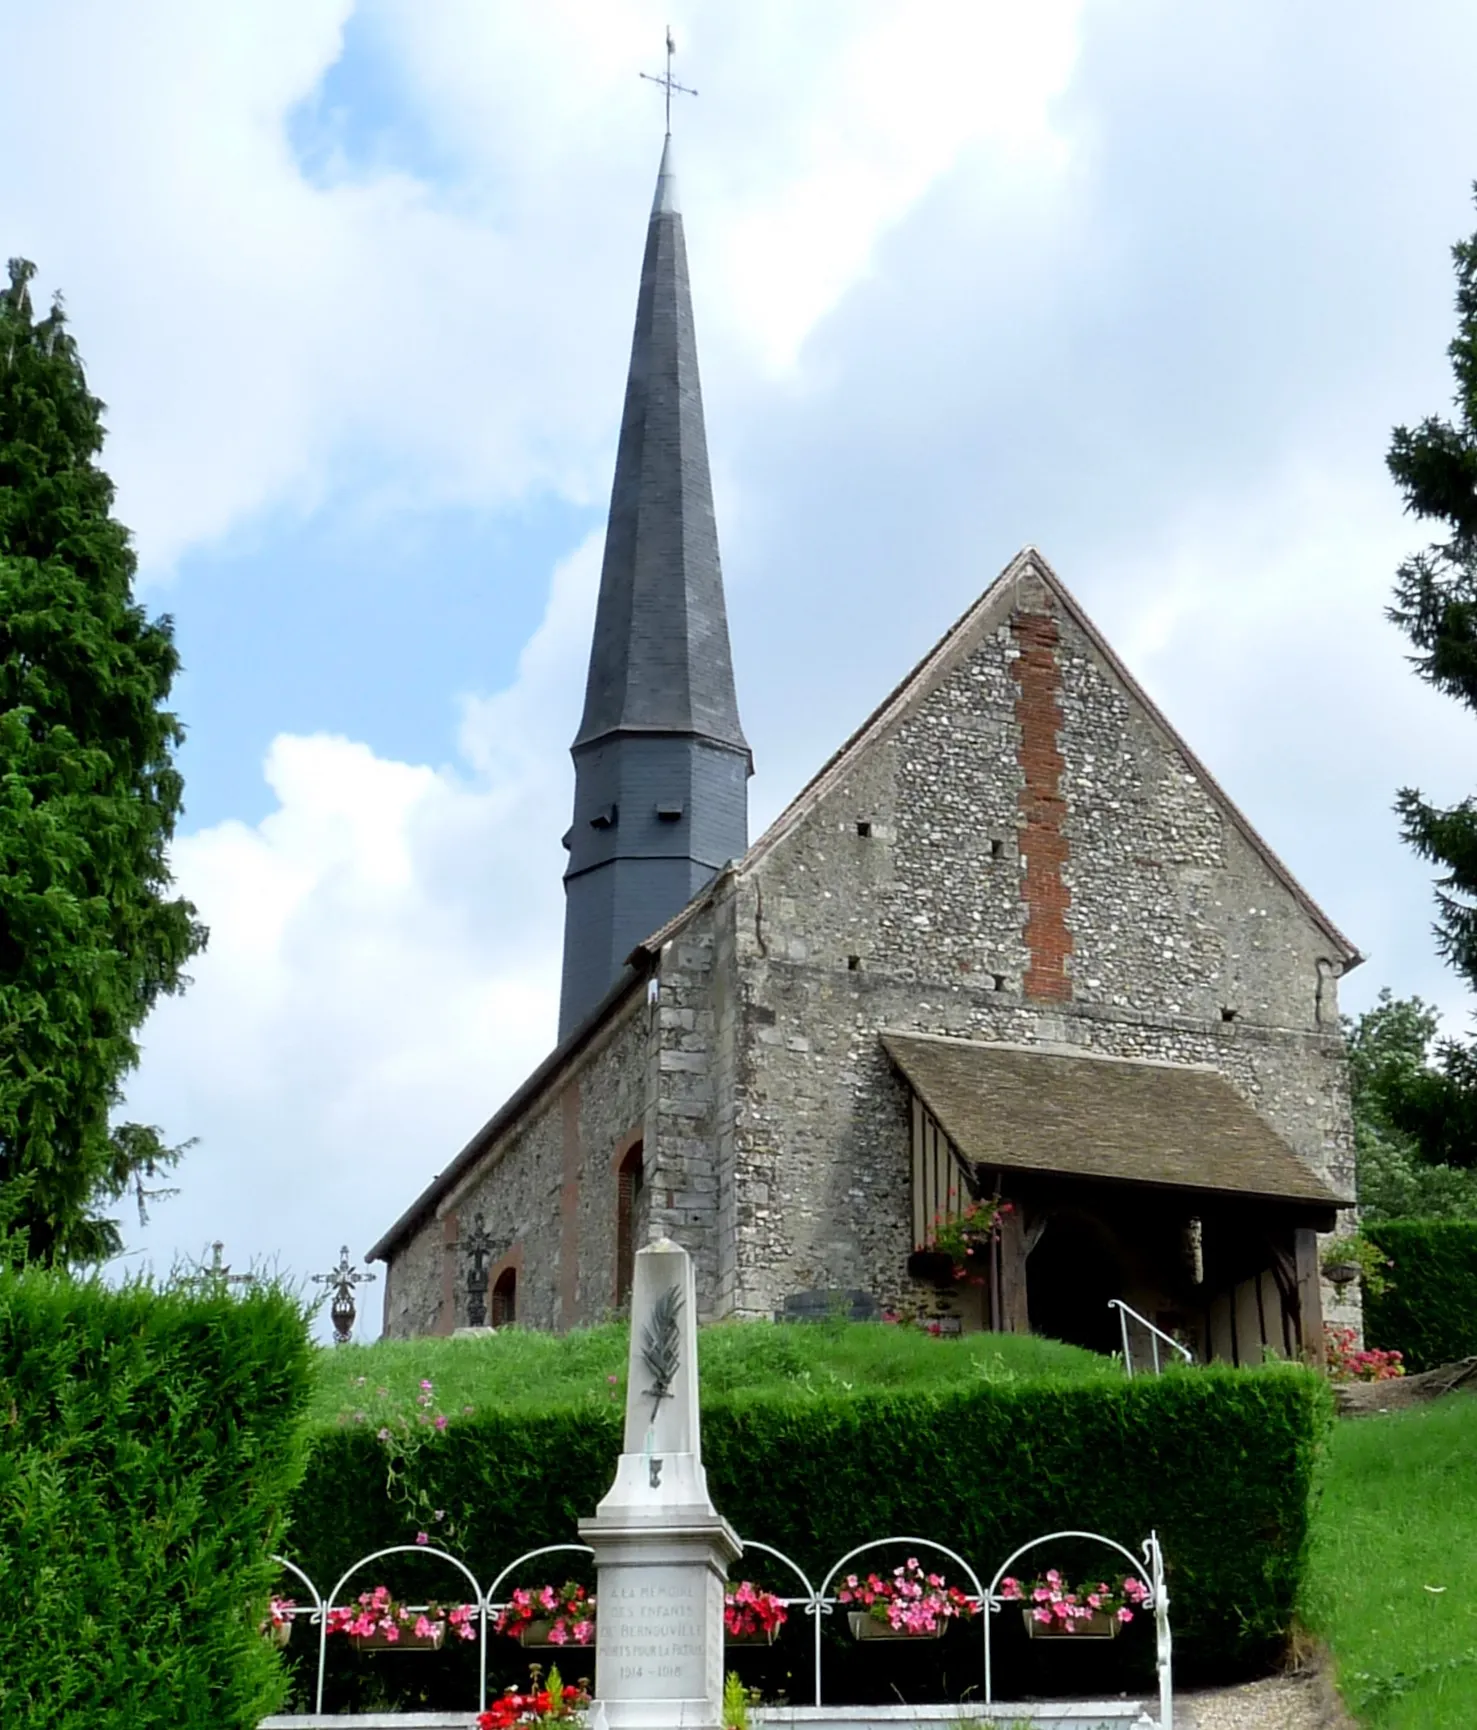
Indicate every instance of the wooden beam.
{"type": "Point", "coordinates": [1015, 1315]}
{"type": "Point", "coordinates": [1310, 1297]}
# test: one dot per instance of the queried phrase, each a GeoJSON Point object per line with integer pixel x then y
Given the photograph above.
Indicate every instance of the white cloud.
{"type": "Point", "coordinates": [1257, 623]}
{"type": "Point", "coordinates": [262, 336]}
{"type": "Point", "coordinates": [377, 977]}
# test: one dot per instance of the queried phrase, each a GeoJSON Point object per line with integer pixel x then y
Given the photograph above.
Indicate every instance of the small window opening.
{"type": "Point", "coordinates": [999, 981]}
{"type": "Point", "coordinates": [628, 1181]}
{"type": "Point", "coordinates": [505, 1299]}
{"type": "Point", "coordinates": [1228, 1015]}
{"type": "Point", "coordinates": [864, 829]}
{"type": "Point", "coordinates": [997, 847]}
{"type": "Point", "coordinates": [853, 963]}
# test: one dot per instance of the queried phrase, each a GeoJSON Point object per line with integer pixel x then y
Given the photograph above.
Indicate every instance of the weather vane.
{"type": "Point", "coordinates": [667, 81]}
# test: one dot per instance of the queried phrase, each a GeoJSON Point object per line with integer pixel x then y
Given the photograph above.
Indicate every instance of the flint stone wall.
{"type": "Point", "coordinates": [546, 1189]}
{"type": "Point", "coordinates": [897, 902]}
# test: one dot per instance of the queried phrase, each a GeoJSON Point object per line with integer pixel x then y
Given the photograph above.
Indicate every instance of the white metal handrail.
{"type": "Point", "coordinates": [1155, 1335]}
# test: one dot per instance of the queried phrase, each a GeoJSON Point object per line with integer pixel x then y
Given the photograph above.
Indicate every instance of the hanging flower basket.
{"type": "Point", "coordinates": [552, 1616]}
{"type": "Point", "coordinates": [1054, 1609]}
{"type": "Point", "coordinates": [400, 1640]}
{"type": "Point", "coordinates": [931, 1265]}
{"type": "Point", "coordinates": [868, 1627]}
{"type": "Point", "coordinates": [765, 1637]}
{"type": "Point", "coordinates": [278, 1625]}
{"type": "Point", "coordinates": [378, 1623]}
{"type": "Point", "coordinates": [1098, 1625]}
{"type": "Point", "coordinates": [907, 1604]}
{"type": "Point", "coordinates": [556, 1632]}
{"type": "Point", "coordinates": [752, 1616]}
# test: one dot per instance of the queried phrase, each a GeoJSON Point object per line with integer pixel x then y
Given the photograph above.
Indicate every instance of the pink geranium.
{"type": "Point", "coordinates": [376, 1613]}
{"type": "Point", "coordinates": [909, 1599]}
{"type": "Point", "coordinates": [569, 1609]}
{"type": "Point", "coordinates": [1054, 1602]}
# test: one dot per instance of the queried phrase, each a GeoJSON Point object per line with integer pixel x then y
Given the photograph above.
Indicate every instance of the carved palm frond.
{"type": "Point", "coordinates": [661, 1347]}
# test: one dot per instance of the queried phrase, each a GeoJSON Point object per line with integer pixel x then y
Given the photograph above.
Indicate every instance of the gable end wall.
{"type": "Point", "coordinates": [1162, 916]}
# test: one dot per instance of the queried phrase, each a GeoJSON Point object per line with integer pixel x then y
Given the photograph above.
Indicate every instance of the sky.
{"type": "Point", "coordinates": [1146, 285]}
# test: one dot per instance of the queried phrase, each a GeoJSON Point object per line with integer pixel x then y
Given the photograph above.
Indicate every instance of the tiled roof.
{"type": "Point", "coordinates": [1024, 1108]}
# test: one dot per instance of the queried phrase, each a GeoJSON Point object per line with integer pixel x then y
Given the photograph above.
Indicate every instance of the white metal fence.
{"type": "Point", "coordinates": [815, 1603]}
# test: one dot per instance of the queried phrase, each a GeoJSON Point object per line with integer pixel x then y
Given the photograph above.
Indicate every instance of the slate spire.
{"type": "Point", "coordinates": [661, 762]}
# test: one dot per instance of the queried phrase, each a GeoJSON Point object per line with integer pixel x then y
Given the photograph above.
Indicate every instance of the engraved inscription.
{"type": "Point", "coordinates": [652, 1635]}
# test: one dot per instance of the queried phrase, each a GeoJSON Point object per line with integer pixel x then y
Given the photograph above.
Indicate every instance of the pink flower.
{"type": "Point", "coordinates": [423, 1537]}
{"type": "Point", "coordinates": [440, 1422]}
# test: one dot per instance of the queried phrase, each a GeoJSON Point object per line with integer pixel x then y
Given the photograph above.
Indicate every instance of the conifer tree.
{"type": "Point", "coordinates": [90, 935]}
{"type": "Point", "coordinates": [1435, 465]}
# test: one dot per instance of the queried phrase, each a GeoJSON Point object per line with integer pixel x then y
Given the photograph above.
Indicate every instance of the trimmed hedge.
{"type": "Point", "coordinates": [1429, 1311]}
{"type": "Point", "coordinates": [1220, 1462]}
{"type": "Point", "coordinates": [149, 1444]}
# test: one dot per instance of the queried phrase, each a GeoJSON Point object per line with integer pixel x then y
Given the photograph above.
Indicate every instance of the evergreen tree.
{"type": "Point", "coordinates": [1390, 1051]}
{"type": "Point", "coordinates": [89, 934]}
{"type": "Point", "coordinates": [1435, 465]}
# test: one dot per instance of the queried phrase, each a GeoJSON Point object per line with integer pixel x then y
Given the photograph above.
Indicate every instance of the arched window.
{"type": "Point", "coordinates": [505, 1298]}
{"type": "Point", "coordinates": [628, 1181]}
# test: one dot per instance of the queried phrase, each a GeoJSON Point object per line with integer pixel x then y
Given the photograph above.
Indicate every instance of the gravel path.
{"type": "Point", "coordinates": [1303, 1702]}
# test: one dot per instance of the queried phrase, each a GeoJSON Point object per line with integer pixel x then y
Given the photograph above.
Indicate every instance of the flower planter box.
{"type": "Point", "coordinates": [865, 1627]}
{"type": "Point", "coordinates": [537, 1634]}
{"type": "Point", "coordinates": [760, 1638]}
{"type": "Point", "coordinates": [406, 1640]}
{"type": "Point", "coordinates": [279, 1633]}
{"type": "Point", "coordinates": [931, 1265]}
{"type": "Point", "coordinates": [1098, 1626]}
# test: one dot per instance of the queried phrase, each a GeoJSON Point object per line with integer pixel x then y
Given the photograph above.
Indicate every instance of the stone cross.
{"type": "Point", "coordinates": [661, 1548]}
{"type": "Point", "coordinates": [342, 1309]}
{"type": "Point", "coordinates": [479, 1246]}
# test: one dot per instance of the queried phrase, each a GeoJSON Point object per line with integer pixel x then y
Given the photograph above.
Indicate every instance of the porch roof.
{"type": "Point", "coordinates": [1034, 1109]}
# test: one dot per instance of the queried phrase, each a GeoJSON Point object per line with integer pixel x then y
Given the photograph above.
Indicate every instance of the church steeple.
{"type": "Point", "coordinates": [661, 762]}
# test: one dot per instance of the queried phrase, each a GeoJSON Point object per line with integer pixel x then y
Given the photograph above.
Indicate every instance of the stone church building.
{"type": "Point", "coordinates": [1012, 941]}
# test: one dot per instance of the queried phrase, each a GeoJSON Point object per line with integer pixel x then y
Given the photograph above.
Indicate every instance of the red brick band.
{"type": "Point", "coordinates": [1043, 841]}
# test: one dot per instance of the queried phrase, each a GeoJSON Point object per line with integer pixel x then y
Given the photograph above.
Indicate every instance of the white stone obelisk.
{"type": "Point", "coordinates": [661, 1548]}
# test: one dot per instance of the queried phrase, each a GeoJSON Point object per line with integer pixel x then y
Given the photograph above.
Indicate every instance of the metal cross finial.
{"type": "Point", "coordinates": [667, 81]}
{"type": "Point", "coordinates": [220, 1274]}
{"type": "Point", "coordinates": [341, 1310]}
{"type": "Point", "coordinates": [477, 1246]}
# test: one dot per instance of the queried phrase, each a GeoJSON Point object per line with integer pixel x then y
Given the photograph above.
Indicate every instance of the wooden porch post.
{"type": "Point", "coordinates": [1310, 1296]}
{"type": "Point", "coordinates": [1014, 1314]}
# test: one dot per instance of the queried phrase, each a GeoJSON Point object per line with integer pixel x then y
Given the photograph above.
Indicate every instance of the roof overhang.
{"type": "Point", "coordinates": [1069, 1114]}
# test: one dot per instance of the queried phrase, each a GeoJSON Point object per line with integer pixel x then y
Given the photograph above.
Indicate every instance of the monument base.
{"type": "Point", "coordinates": [660, 1581]}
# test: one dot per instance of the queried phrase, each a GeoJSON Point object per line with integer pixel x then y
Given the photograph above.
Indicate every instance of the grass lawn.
{"type": "Point", "coordinates": [528, 1371]}
{"type": "Point", "coordinates": [1397, 1521]}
